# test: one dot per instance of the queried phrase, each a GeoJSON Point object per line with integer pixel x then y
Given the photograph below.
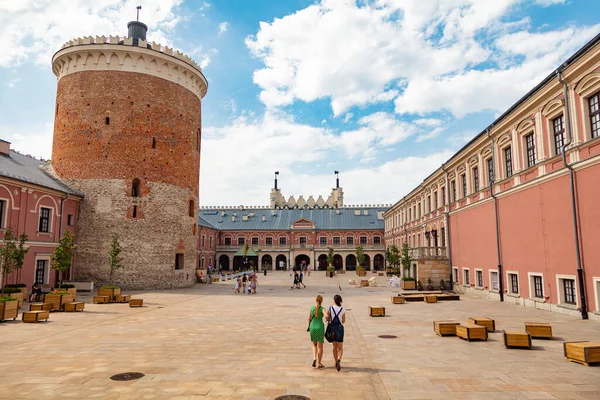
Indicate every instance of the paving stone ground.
{"type": "Point", "coordinates": [207, 342]}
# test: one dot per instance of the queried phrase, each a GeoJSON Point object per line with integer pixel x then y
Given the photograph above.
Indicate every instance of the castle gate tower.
{"type": "Point", "coordinates": [127, 133]}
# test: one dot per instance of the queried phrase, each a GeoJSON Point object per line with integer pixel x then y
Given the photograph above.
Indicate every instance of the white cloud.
{"type": "Point", "coordinates": [35, 29]}
{"type": "Point", "coordinates": [546, 3]}
{"type": "Point", "coordinates": [35, 140]}
{"type": "Point", "coordinates": [223, 27]}
{"type": "Point", "coordinates": [13, 82]}
{"type": "Point", "coordinates": [348, 117]}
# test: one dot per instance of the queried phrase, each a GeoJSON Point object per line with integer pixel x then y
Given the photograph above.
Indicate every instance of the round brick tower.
{"type": "Point", "coordinates": [127, 133]}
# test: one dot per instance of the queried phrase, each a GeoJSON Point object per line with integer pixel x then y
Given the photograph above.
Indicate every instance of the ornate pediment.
{"type": "Point", "coordinates": [303, 223]}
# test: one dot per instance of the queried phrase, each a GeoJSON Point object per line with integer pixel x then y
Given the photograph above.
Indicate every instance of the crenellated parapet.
{"type": "Point", "coordinates": [115, 53]}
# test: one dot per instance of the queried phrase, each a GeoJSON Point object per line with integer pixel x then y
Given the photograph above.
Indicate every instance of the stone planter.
{"type": "Point", "coordinates": [409, 285]}
{"type": "Point", "coordinates": [58, 301]}
{"type": "Point", "coordinates": [111, 293]}
{"type": "Point", "coordinates": [9, 309]}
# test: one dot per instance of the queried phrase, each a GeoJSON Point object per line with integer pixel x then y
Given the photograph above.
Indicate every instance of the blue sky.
{"type": "Point", "coordinates": [383, 90]}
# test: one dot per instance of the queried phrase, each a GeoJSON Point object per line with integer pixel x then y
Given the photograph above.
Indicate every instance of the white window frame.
{"type": "Point", "coordinates": [532, 295]}
{"type": "Point", "coordinates": [468, 275]}
{"type": "Point", "coordinates": [509, 283]}
{"type": "Point", "coordinates": [561, 290]}
{"type": "Point", "coordinates": [456, 275]}
{"type": "Point", "coordinates": [596, 283]}
{"type": "Point", "coordinates": [48, 268]}
{"type": "Point", "coordinates": [482, 280]}
{"type": "Point", "coordinates": [50, 220]}
{"type": "Point", "coordinates": [4, 212]}
{"type": "Point", "coordinates": [491, 277]}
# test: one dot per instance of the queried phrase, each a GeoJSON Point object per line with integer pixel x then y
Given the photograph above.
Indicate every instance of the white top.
{"type": "Point", "coordinates": [333, 310]}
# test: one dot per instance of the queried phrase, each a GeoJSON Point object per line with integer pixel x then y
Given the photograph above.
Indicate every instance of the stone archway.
{"type": "Point", "coordinates": [367, 263]}
{"type": "Point", "coordinates": [224, 262]}
{"type": "Point", "coordinates": [350, 262]}
{"type": "Point", "coordinates": [338, 262]}
{"type": "Point", "coordinates": [322, 262]}
{"type": "Point", "coordinates": [298, 262]}
{"type": "Point", "coordinates": [281, 263]}
{"type": "Point", "coordinates": [378, 264]}
{"type": "Point", "coordinates": [266, 263]}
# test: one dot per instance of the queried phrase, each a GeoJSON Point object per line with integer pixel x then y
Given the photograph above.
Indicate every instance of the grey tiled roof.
{"type": "Point", "coordinates": [28, 169]}
{"type": "Point", "coordinates": [324, 219]}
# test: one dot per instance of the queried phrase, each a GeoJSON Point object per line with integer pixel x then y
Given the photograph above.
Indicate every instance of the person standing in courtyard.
{"type": "Point", "coordinates": [337, 319]}
{"type": "Point", "coordinates": [317, 331]}
{"type": "Point", "coordinates": [254, 283]}
{"type": "Point", "coordinates": [295, 284]}
{"type": "Point", "coordinates": [300, 279]}
{"type": "Point", "coordinates": [244, 282]}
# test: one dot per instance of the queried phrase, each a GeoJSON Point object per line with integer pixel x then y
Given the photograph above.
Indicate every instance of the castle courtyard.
{"type": "Point", "coordinates": [206, 342]}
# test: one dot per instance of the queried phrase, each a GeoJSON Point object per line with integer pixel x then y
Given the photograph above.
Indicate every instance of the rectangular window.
{"type": "Point", "coordinates": [227, 241]}
{"type": "Point", "coordinates": [210, 242]}
{"type": "Point", "coordinates": [569, 291]}
{"type": "Point", "coordinates": [559, 134]}
{"type": "Point", "coordinates": [479, 278]}
{"type": "Point", "coordinates": [530, 146]}
{"type": "Point", "coordinates": [409, 215]}
{"type": "Point", "coordinates": [463, 179]}
{"type": "Point", "coordinates": [69, 219]}
{"type": "Point", "coordinates": [594, 103]}
{"type": "Point", "coordinates": [443, 237]}
{"type": "Point", "coordinates": [303, 241]}
{"type": "Point", "coordinates": [419, 208]}
{"type": "Point", "coordinates": [323, 240]}
{"type": "Point", "coordinates": [269, 241]}
{"type": "Point", "coordinates": [2, 208]}
{"type": "Point", "coordinates": [508, 161]}
{"type": "Point", "coordinates": [428, 210]}
{"type": "Point", "coordinates": [455, 275]}
{"type": "Point", "coordinates": [466, 277]}
{"type": "Point", "coordinates": [494, 280]}
{"type": "Point", "coordinates": [490, 168]}
{"type": "Point", "coordinates": [44, 225]}
{"type": "Point", "coordinates": [202, 263]}
{"type": "Point", "coordinates": [475, 179]}
{"type": "Point", "coordinates": [241, 240]}
{"type": "Point", "coordinates": [202, 241]}
{"type": "Point", "coordinates": [178, 261]}
{"type": "Point", "coordinates": [443, 196]}
{"type": "Point", "coordinates": [376, 240]}
{"type": "Point", "coordinates": [40, 271]}
{"type": "Point", "coordinates": [336, 240]}
{"type": "Point", "coordinates": [538, 289]}
{"type": "Point", "coordinates": [513, 280]}
{"type": "Point", "coordinates": [435, 201]}
{"type": "Point", "coordinates": [363, 240]}
{"type": "Point", "coordinates": [349, 240]}
{"type": "Point", "coordinates": [254, 241]}
{"type": "Point", "coordinates": [283, 241]}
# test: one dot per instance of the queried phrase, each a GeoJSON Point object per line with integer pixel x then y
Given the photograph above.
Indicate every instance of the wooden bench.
{"type": "Point", "coordinates": [517, 339]}
{"type": "Point", "coordinates": [431, 298]}
{"type": "Point", "coordinates": [411, 297]}
{"type": "Point", "coordinates": [136, 302]}
{"type": "Point", "coordinates": [446, 296]}
{"type": "Point", "coordinates": [101, 299]}
{"type": "Point", "coordinates": [75, 306]}
{"type": "Point", "coordinates": [471, 331]}
{"type": "Point", "coordinates": [585, 353]}
{"type": "Point", "coordinates": [41, 307]}
{"type": "Point", "coordinates": [36, 316]}
{"type": "Point", "coordinates": [490, 324]}
{"type": "Point", "coordinates": [398, 300]}
{"type": "Point", "coordinates": [539, 330]}
{"type": "Point", "coordinates": [445, 328]}
{"type": "Point", "coordinates": [122, 298]}
{"type": "Point", "coordinates": [377, 311]}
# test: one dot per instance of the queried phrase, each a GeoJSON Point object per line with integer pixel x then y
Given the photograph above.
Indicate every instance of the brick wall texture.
{"type": "Point", "coordinates": [112, 127]}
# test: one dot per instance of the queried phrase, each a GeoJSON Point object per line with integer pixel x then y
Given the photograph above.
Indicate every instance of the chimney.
{"type": "Point", "coordinates": [4, 147]}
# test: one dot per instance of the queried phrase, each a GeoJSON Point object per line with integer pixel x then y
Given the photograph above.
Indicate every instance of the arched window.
{"type": "Point", "coordinates": [191, 208]}
{"type": "Point", "coordinates": [135, 188]}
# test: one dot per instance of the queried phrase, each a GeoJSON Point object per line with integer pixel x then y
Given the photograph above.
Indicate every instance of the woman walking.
{"type": "Point", "coordinates": [337, 318]}
{"type": "Point", "coordinates": [317, 331]}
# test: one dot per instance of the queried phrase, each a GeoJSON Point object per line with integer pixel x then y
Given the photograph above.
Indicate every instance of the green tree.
{"type": "Point", "coordinates": [19, 255]}
{"type": "Point", "coordinates": [360, 255]}
{"type": "Point", "coordinates": [392, 256]}
{"type": "Point", "coordinates": [7, 254]}
{"type": "Point", "coordinates": [62, 259]}
{"type": "Point", "coordinates": [405, 258]}
{"type": "Point", "coordinates": [330, 257]}
{"type": "Point", "coordinates": [114, 256]}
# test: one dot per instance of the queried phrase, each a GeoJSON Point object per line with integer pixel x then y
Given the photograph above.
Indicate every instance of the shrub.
{"type": "Point", "coordinates": [408, 278]}
{"type": "Point", "coordinates": [110, 287]}
{"type": "Point", "coordinates": [15, 285]}
{"type": "Point", "coordinates": [4, 299]}
{"type": "Point", "coordinates": [9, 290]}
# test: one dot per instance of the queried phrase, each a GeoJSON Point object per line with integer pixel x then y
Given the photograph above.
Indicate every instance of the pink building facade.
{"type": "Point", "coordinates": [34, 203]}
{"type": "Point", "coordinates": [524, 244]}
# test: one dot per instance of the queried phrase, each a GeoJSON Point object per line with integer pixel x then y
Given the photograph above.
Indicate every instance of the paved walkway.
{"type": "Point", "coordinates": [207, 342]}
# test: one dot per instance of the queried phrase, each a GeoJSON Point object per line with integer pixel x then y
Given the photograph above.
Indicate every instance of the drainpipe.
{"type": "Point", "coordinates": [447, 222]}
{"type": "Point", "coordinates": [583, 300]}
{"type": "Point", "coordinates": [499, 258]}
